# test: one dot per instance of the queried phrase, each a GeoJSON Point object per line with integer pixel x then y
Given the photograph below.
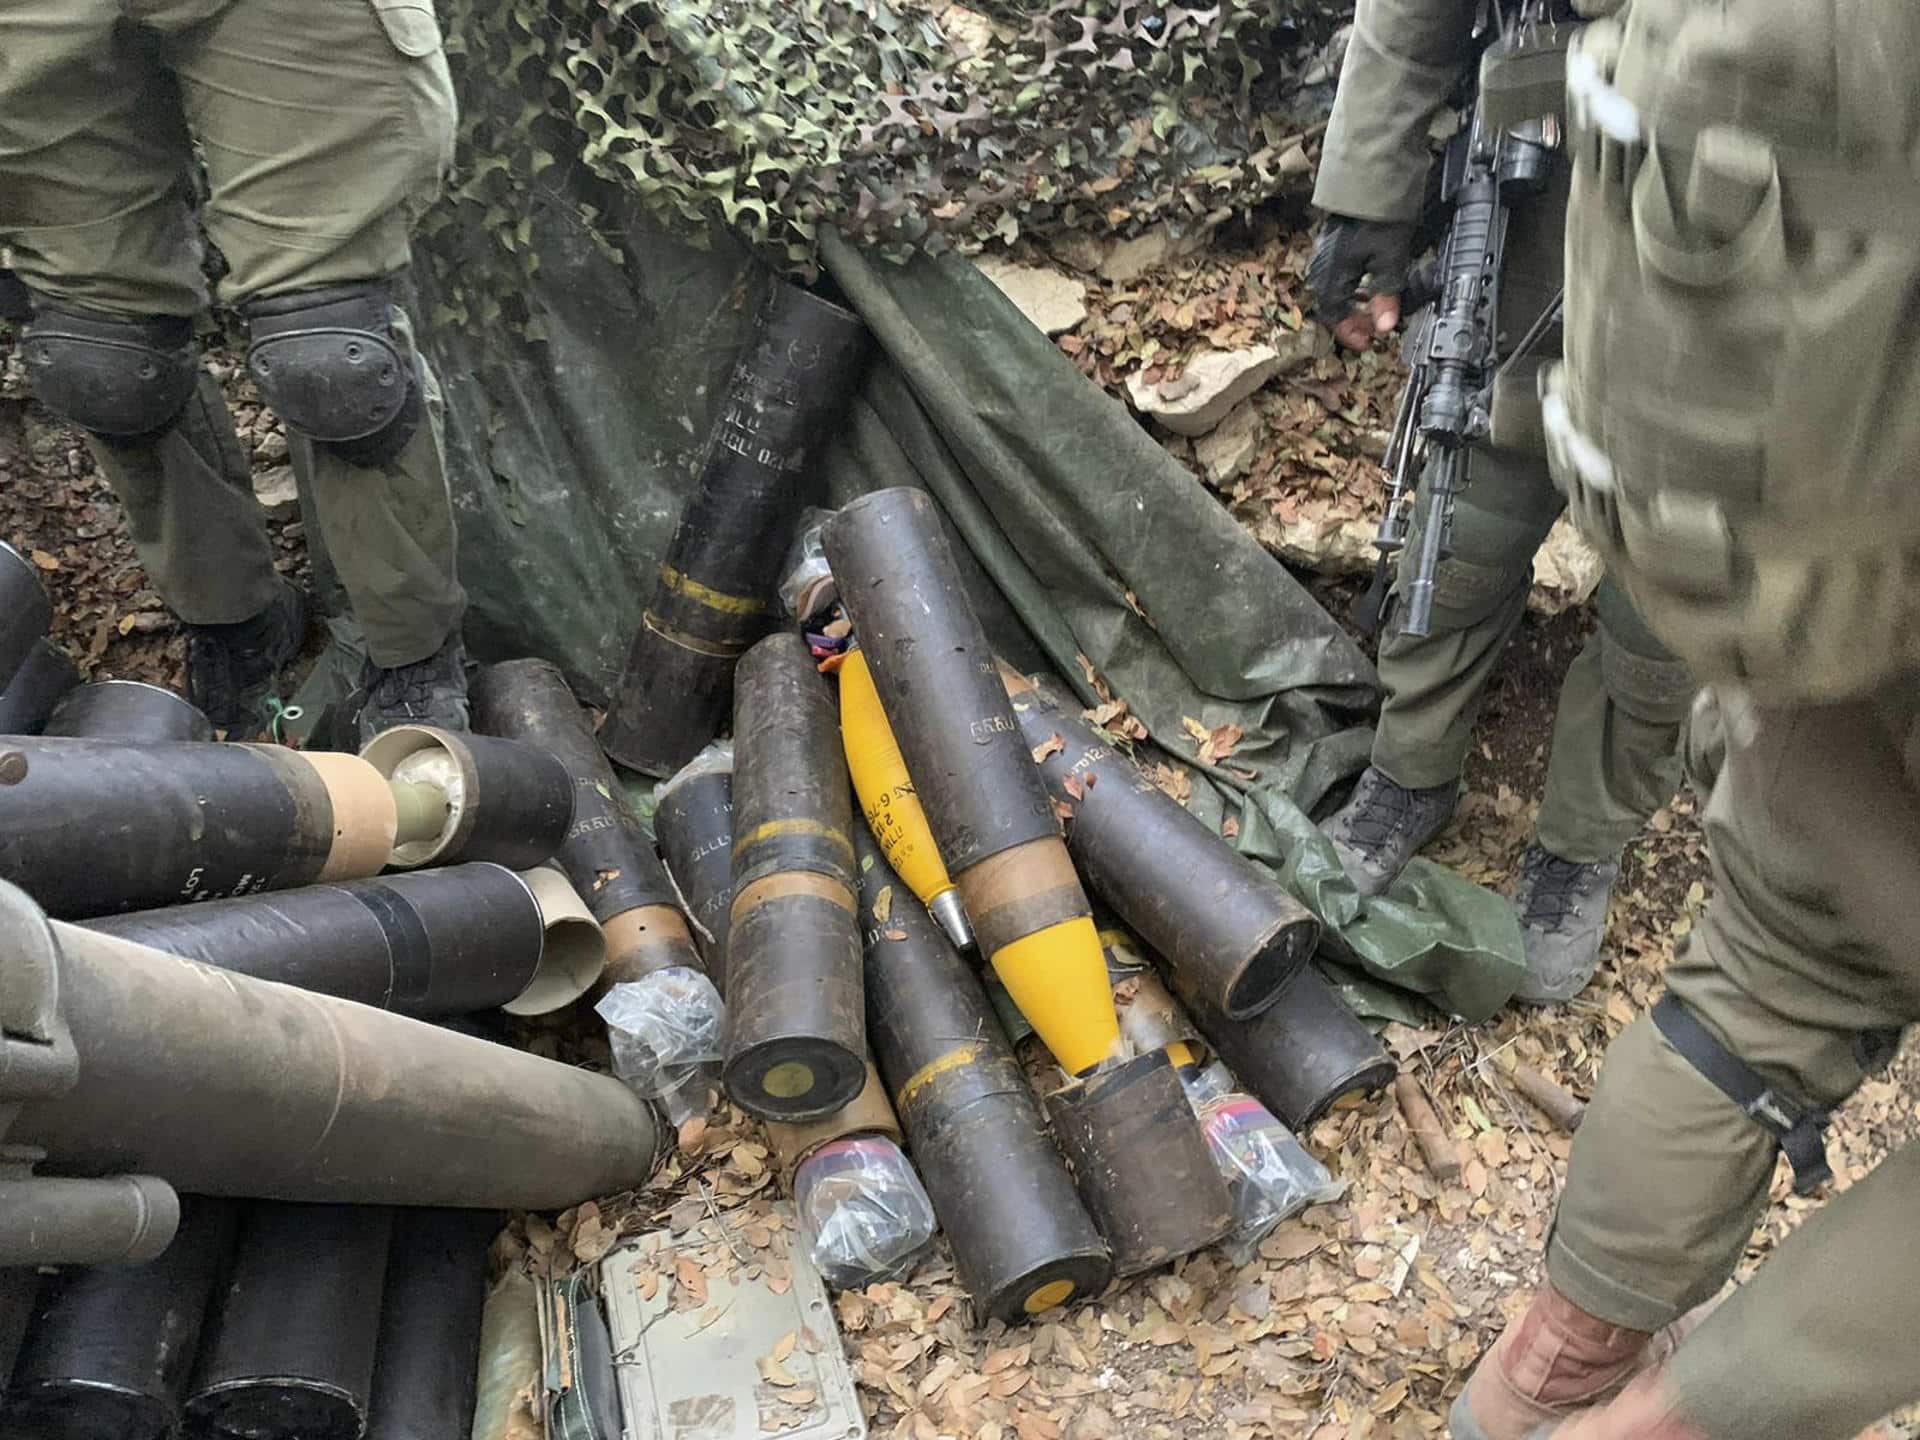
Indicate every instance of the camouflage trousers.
{"type": "Point", "coordinates": [1615, 754]}
{"type": "Point", "coordinates": [1804, 965]}
{"type": "Point", "coordinates": [323, 129]}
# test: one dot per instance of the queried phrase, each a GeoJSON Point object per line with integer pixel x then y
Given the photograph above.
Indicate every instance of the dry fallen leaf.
{"type": "Point", "coordinates": [1052, 745]}
{"type": "Point", "coordinates": [45, 561]}
{"type": "Point", "coordinates": [883, 904]}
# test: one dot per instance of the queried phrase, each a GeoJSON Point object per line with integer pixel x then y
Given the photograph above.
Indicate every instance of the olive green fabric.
{"type": "Point", "coordinates": [323, 130]}
{"type": "Point", "coordinates": [1820, 1343]}
{"type": "Point", "coordinates": [1404, 59]}
{"type": "Point", "coordinates": [1807, 944]}
{"type": "Point", "coordinates": [1738, 418]}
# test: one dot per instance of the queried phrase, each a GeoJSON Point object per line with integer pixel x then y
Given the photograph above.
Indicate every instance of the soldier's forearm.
{"type": "Point", "coordinates": [1403, 60]}
{"type": "Point", "coordinates": [1822, 1342]}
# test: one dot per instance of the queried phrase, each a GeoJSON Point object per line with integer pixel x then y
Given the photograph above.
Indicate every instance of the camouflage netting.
{"type": "Point", "coordinates": [902, 128]}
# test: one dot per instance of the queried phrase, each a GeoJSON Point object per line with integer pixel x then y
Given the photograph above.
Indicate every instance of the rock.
{"type": "Point", "coordinates": [277, 493]}
{"type": "Point", "coordinates": [1226, 452]}
{"type": "Point", "coordinates": [1128, 259]}
{"type": "Point", "coordinates": [1052, 301]}
{"type": "Point", "coordinates": [270, 446]}
{"type": "Point", "coordinates": [1298, 349]}
{"type": "Point", "coordinates": [1320, 541]}
{"type": "Point", "coordinates": [1077, 250]}
{"type": "Point", "coordinates": [1566, 570]}
{"type": "Point", "coordinates": [1211, 385]}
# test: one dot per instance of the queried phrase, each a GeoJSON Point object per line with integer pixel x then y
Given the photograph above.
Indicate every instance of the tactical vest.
{"type": "Point", "coordinates": [1737, 419]}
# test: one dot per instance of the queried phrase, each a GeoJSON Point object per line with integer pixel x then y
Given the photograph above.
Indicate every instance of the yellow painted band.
{"type": "Point", "coordinates": [799, 825]}
{"type": "Point", "coordinates": [956, 1059]}
{"type": "Point", "coordinates": [686, 640]}
{"type": "Point", "coordinates": [681, 583]}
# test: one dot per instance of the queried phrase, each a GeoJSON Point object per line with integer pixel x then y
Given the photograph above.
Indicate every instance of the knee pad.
{"type": "Point", "coordinates": [330, 365]}
{"type": "Point", "coordinates": [124, 378]}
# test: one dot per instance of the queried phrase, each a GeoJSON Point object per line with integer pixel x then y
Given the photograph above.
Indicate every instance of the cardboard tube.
{"type": "Point", "coordinates": [575, 951]}
{"type": "Point", "coordinates": [507, 802]}
{"type": "Point", "coordinates": [189, 821]}
{"type": "Point", "coordinates": [714, 594]}
{"type": "Point", "coordinates": [796, 1046]}
{"type": "Point", "coordinates": [430, 944]}
{"type": "Point", "coordinates": [606, 853]}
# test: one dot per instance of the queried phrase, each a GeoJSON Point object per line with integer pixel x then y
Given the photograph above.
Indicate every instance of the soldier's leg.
{"type": "Point", "coordinates": [325, 130]}
{"type": "Point", "coordinates": [1616, 736]}
{"type": "Point", "coordinates": [94, 159]}
{"type": "Point", "coordinates": [1802, 962]}
{"type": "Point", "coordinates": [1434, 684]}
{"type": "Point", "coordinates": [1615, 760]}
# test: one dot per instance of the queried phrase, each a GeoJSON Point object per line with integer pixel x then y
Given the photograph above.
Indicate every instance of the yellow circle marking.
{"type": "Point", "coordinates": [1048, 1296]}
{"type": "Point", "coordinates": [788, 1081]}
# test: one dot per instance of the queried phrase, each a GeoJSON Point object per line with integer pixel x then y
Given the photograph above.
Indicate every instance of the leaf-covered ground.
{"type": "Point", "coordinates": [1359, 1319]}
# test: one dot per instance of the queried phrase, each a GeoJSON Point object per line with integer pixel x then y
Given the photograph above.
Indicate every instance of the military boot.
{"type": "Point", "coordinates": [1644, 1411]}
{"type": "Point", "coordinates": [1563, 917]}
{"type": "Point", "coordinates": [1382, 827]}
{"type": "Point", "coordinates": [233, 669]}
{"type": "Point", "coordinates": [432, 691]}
{"type": "Point", "coordinates": [1555, 1361]}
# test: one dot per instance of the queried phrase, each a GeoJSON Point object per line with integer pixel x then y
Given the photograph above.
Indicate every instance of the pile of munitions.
{"type": "Point", "coordinates": [258, 1124]}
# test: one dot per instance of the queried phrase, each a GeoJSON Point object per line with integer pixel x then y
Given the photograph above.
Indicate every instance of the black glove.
{"type": "Point", "coordinates": [1349, 249]}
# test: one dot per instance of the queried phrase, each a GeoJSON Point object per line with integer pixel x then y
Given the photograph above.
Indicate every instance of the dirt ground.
{"type": "Point", "coordinates": [1358, 1320]}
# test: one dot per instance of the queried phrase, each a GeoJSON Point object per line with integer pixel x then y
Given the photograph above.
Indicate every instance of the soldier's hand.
{"type": "Point", "coordinates": [1348, 251]}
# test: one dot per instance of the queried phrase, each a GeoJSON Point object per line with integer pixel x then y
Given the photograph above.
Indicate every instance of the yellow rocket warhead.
{"type": "Point", "coordinates": [1058, 978]}
{"type": "Point", "coordinates": [889, 802]}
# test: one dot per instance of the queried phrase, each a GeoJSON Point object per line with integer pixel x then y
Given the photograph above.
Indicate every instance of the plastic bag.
{"type": "Point", "coordinates": [863, 1211]}
{"type": "Point", "coordinates": [668, 1033]}
{"type": "Point", "coordinates": [1268, 1172]}
{"type": "Point", "coordinates": [806, 580]}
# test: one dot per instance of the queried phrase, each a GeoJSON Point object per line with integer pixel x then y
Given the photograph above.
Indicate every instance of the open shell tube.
{"type": "Point", "coordinates": [110, 1347]}
{"type": "Point", "coordinates": [94, 827]}
{"type": "Point", "coordinates": [989, 811]}
{"type": "Point", "coordinates": [1141, 1163]}
{"type": "Point", "coordinates": [1301, 1054]}
{"type": "Point", "coordinates": [28, 699]}
{"type": "Point", "coordinates": [1021, 1239]}
{"type": "Point", "coordinates": [223, 1084]}
{"type": "Point", "coordinates": [694, 821]}
{"type": "Point", "coordinates": [428, 1360]}
{"type": "Point", "coordinates": [128, 710]}
{"type": "Point", "coordinates": [435, 943]}
{"type": "Point", "coordinates": [574, 952]}
{"type": "Point", "coordinates": [713, 597]}
{"type": "Point", "coordinates": [606, 854]}
{"type": "Point", "coordinates": [797, 1046]}
{"type": "Point", "coordinates": [1223, 926]}
{"type": "Point", "coordinates": [25, 610]}
{"type": "Point", "coordinates": [868, 1113]}
{"type": "Point", "coordinates": [505, 802]}
{"type": "Point", "coordinates": [290, 1350]}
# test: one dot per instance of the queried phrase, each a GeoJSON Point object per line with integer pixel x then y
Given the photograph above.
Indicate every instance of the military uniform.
{"type": "Point", "coordinates": [323, 128]}
{"type": "Point", "coordinates": [1735, 425]}
{"type": "Point", "coordinates": [1615, 739]}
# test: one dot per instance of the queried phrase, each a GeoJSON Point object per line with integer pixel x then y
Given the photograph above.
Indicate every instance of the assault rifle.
{"type": "Point", "coordinates": [1452, 344]}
